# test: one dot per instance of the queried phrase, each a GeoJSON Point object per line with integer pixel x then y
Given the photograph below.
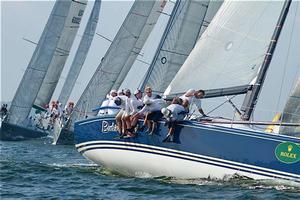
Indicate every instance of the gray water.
{"type": "Point", "coordinates": [38, 170]}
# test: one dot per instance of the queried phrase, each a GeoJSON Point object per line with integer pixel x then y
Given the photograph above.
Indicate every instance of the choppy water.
{"type": "Point", "coordinates": [38, 170]}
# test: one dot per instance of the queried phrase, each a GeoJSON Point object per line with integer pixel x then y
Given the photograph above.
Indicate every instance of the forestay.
{"type": "Point", "coordinates": [62, 52]}
{"type": "Point", "coordinates": [38, 65]}
{"type": "Point", "coordinates": [152, 19]}
{"type": "Point", "coordinates": [114, 59]}
{"type": "Point", "coordinates": [178, 40]}
{"type": "Point", "coordinates": [231, 50]}
{"type": "Point", "coordinates": [81, 54]}
{"type": "Point", "coordinates": [291, 112]}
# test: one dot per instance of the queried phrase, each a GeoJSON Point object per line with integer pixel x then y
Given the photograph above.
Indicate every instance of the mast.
{"type": "Point", "coordinates": [39, 63]}
{"type": "Point", "coordinates": [81, 54]}
{"type": "Point", "coordinates": [167, 30]}
{"type": "Point", "coordinates": [252, 95]}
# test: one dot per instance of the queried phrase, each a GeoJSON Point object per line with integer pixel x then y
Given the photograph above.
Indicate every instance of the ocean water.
{"type": "Point", "coordinates": [38, 170]}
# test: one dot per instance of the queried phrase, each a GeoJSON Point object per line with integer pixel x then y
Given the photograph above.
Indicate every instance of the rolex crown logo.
{"type": "Point", "coordinates": [290, 147]}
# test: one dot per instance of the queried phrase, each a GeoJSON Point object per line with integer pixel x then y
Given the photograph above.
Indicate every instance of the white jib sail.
{"type": "Point", "coordinates": [81, 54]}
{"type": "Point", "coordinates": [114, 59]}
{"type": "Point", "coordinates": [62, 52]}
{"type": "Point", "coordinates": [231, 50]}
{"type": "Point", "coordinates": [152, 19]}
{"type": "Point", "coordinates": [291, 112]}
{"type": "Point", "coordinates": [38, 65]}
{"type": "Point", "coordinates": [180, 37]}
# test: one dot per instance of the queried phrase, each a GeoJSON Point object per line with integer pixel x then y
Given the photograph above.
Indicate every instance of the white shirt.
{"type": "Point", "coordinates": [176, 109]}
{"type": "Point", "coordinates": [134, 104]}
{"type": "Point", "coordinates": [193, 102]}
{"type": "Point", "coordinates": [104, 104]}
{"type": "Point", "coordinates": [156, 105]}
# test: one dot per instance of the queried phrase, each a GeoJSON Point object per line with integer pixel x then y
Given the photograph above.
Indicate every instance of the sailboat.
{"type": "Point", "coordinates": [231, 57]}
{"type": "Point", "coordinates": [61, 54]}
{"type": "Point", "coordinates": [76, 66]}
{"type": "Point", "coordinates": [18, 124]}
{"type": "Point", "coordinates": [81, 54]}
{"type": "Point", "coordinates": [126, 45]}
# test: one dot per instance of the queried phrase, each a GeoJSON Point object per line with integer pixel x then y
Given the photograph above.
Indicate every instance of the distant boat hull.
{"type": "Point", "coordinates": [198, 151]}
{"type": "Point", "coordinates": [10, 132]}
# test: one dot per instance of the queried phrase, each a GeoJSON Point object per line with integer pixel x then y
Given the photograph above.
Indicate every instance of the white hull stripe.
{"type": "Point", "coordinates": [206, 160]}
{"type": "Point", "coordinates": [234, 131]}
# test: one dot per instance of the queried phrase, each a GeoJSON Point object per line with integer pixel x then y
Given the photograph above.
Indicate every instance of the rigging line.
{"type": "Point", "coordinates": [181, 54]}
{"type": "Point", "coordinates": [286, 60]}
{"type": "Point", "coordinates": [104, 37]}
{"type": "Point", "coordinates": [143, 61]}
{"type": "Point", "coordinates": [229, 99]}
{"type": "Point", "coordinates": [57, 49]}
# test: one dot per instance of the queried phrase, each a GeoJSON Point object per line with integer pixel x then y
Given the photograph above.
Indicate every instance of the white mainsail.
{"type": "Point", "coordinates": [232, 49]}
{"type": "Point", "coordinates": [116, 56]}
{"type": "Point", "coordinates": [152, 19]}
{"type": "Point", "coordinates": [291, 112]}
{"type": "Point", "coordinates": [213, 7]}
{"type": "Point", "coordinates": [179, 38]}
{"type": "Point", "coordinates": [81, 54]}
{"type": "Point", "coordinates": [39, 63]}
{"type": "Point", "coordinates": [62, 52]}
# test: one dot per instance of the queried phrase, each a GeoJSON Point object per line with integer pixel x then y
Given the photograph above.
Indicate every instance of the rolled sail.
{"type": "Point", "coordinates": [231, 50]}
{"type": "Point", "coordinates": [81, 54]}
{"type": "Point", "coordinates": [62, 52]}
{"type": "Point", "coordinates": [39, 63]}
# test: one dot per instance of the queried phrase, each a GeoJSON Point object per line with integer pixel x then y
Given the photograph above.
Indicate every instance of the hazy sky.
{"type": "Point", "coordinates": [26, 19]}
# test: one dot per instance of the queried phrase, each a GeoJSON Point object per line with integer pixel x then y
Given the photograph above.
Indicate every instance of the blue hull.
{"type": "Point", "coordinates": [10, 132]}
{"type": "Point", "coordinates": [228, 148]}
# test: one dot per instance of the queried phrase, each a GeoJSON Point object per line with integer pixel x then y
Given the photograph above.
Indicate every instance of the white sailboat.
{"type": "Point", "coordinates": [17, 123]}
{"type": "Point", "coordinates": [230, 58]}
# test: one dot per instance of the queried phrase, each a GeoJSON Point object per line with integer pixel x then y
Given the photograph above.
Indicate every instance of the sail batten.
{"type": "Point", "coordinates": [231, 50]}
{"type": "Point", "coordinates": [34, 75]}
{"type": "Point", "coordinates": [61, 54]}
{"type": "Point", "coordinates": [81, 54]}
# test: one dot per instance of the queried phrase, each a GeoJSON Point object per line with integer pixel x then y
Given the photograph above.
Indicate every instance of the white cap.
{"type": "Point", "coordinates": [120, 91]}
{"type": "Point", "coordinates": [113, 91]}
{"type": "Point", "coordinates": [137, 91]}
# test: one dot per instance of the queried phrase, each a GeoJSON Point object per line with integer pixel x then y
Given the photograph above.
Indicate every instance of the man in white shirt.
{"type": "Point", "coordinates": [194, 99]}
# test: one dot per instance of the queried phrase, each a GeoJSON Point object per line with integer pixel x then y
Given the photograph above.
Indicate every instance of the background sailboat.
{"type": "Point", "coordinates": [291, 112]}
{"type": "Point", "coordinates": [81, 54]}
{"type": "Point", "coordinates": [61, 54]}
{"type": "Point", "coordinates": [34, 75]}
